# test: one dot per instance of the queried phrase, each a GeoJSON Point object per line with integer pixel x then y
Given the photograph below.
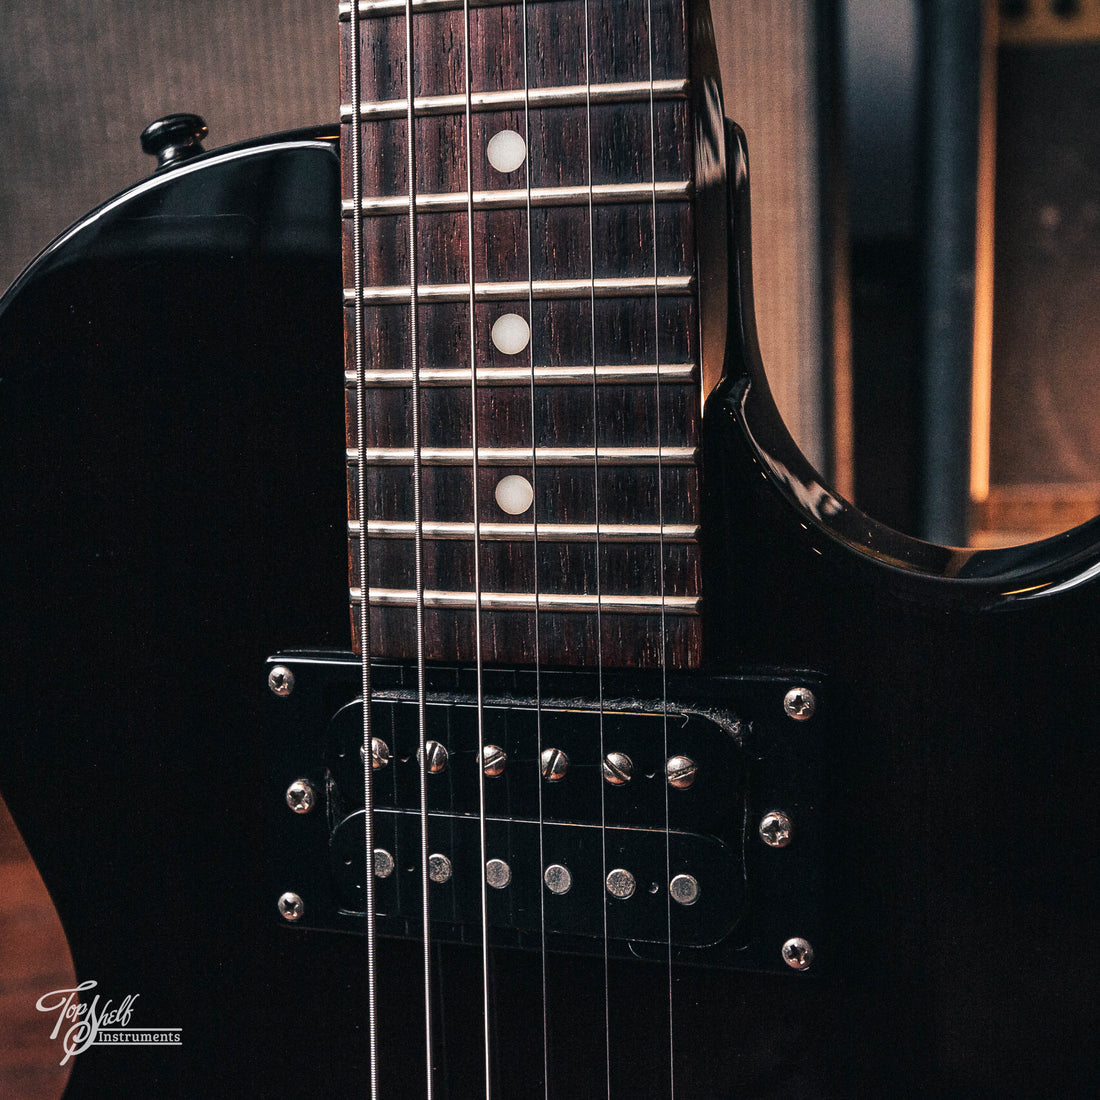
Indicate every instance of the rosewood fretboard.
{"type": "Point", "coordinates": [598, 410]}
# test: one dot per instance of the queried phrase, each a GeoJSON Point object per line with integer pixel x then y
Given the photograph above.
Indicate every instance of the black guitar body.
{"type": "Point", "coordinates": [173, 513]}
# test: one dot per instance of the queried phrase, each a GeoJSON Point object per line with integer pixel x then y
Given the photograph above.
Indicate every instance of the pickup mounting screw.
{"type": "Point", "coordinates": [291, 906]}
{"type": "Point", "coordinates": [554, 764]}
{"type": "Point", "coordinates": [379, 753]}
{"type": "Point", "coordinates": [436, 756]}
{"type": "Point", "coordinates": [617, 768]}
{"type": "Point", "coordinates": [281, 680]}
{"type": "Point", "coordinates": [493, 759]}
{"type": "Point", "coordinates": [299, 796]}
{"type": "Point", "coordinates": [800, 704]}
{"type": "Point", "coordinates": [680, 771]}
{"type": "Point", "coordinates": [775, 829]}
{"type": "Point", "coordinates": [797, 953]}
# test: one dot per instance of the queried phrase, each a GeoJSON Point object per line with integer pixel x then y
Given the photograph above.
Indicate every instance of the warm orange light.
{"type": "Point", "coordinates": [982, 374]}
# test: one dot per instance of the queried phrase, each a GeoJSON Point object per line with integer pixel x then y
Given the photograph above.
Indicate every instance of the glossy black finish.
{"type": "Point", "coordinates": [174, 139]}
{"type": "Point", "coordinates": [172, 455]}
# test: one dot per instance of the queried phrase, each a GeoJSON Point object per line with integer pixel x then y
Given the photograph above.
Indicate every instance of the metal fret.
{"type": "Point", "coordinates": [371, 9]}
{"type": "Point", "coordinates": [521, 456]}
{"type": "Point", "coordinates": [547, 532]}
{"type": "Point", "coordinates": [541, 289]}
{"type": "Point", "coordinates": [516, 199]}
{"type": "Point", "coordinates": [629, 91]}
{"type": "Point", "coordinates": [526, 601]}
{"type": "Point", "coordinates": [395, 377]}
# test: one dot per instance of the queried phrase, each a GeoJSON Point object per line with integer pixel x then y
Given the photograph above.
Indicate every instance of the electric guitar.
{"type": "Point", "coordinates": [677, 775]}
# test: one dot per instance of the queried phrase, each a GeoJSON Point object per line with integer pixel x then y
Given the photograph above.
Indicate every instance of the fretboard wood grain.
{"type": "Point", "coordinates": [603, 157]}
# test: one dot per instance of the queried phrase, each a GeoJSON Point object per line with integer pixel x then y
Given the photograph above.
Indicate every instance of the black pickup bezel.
{"type": "Point", "coordinates": [779, 767]}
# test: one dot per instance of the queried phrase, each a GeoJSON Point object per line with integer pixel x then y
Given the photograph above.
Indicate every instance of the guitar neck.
{"type": "Point", "coordinates": [522, 316]}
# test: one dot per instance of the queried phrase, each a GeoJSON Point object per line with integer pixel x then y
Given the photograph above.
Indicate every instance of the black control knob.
{"type": "Point", "coordinates": [174, 139]}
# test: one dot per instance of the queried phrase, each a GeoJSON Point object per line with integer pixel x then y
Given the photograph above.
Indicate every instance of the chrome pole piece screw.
{"type": "Point", "coordinates": [380, 754]}
{"type": "Point", "coordinates": [498, 874]}
{"type": "Point", "coordinates": [617, 768]}
{"type": "Point", "coordinates": [299, 796]}
{"type": "Point", "coordinates": [492, 760]}
{"type": "Point", "coordinates": [680, 772]}
{"type": "Point", "coordinates": [439, 868]}
{"type": "Point", "coordinates": [620, 883]}
{"type": "Point", "coordinates": [383, 863]}
{"type": "Point", "coordinates": [799, 704]}
{"type": "Point", "coordinates": [281, 680]}
{"type": "Point", "coordinates": [684, 889]}
{"type": "Point", "coordinates": [554, 764]}
{"type": "Point", "coordinates": [291, 906]}
{"type": "Point", "coordinates": [775, 829]}
{"type": "Point", "coordinates": [437, 757]}
{"type": "Point", "coordinates": [797, 953]}
{"type": "Point", "coordinates": [557, 878]}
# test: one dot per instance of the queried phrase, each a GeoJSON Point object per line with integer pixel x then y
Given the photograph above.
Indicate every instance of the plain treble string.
{"type": "Point", "coordinates": [418, 548]}
{"type": "Point", "coordinates": [483, 854]}
{"type": "Point", "coordinates": [535, 571]}
{"type": "Point", "coordinates": [596, 504]}
{"type": "Point", "coordinates": [661, 547]}
{"type": "Point", "coordinates": [364, 586]}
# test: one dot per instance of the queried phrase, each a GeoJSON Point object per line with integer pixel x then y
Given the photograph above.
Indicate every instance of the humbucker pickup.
{"type": "Point", "coordinates": [611, 822]}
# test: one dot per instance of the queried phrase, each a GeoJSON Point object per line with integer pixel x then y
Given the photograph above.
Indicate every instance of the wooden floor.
{"type": "Point", "coordinates": [34, 959]}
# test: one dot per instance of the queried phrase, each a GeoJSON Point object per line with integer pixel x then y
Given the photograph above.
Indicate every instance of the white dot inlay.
{"type": "Point", "coordinates": [514, 494]}
{"type": "Point", "coordinates": [506, 151]}
{"type": "Point", "coordinates": [511, 333]}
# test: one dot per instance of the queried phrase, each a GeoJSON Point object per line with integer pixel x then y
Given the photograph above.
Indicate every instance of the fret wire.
{"type": "Point", "coordinates": [546, 532]}
{"type": "Point", "coordinates": [613, 603]}
{"type": "Point", "coordinates": [519, 456]}
{"type": "Point", "coordinates": [372, 9]}
{"type": "Point", "coordinates": [629, 91]}
{"type": "Point", "coordinates": [542, 376]}
{"type": "Point", "coordinates": [541, 289]}
{"type": "Point", "coordinates": [604, 193]}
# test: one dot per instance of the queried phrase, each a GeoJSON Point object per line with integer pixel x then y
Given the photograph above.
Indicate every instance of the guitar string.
{"type": "Point", "coordinates": [418, 545]}
{"type": "Point", "coordinates": [470, 258]}
{"type": "Point", "coordinates": [661, 551]}
{"type": "Point", "coordinates": [535, 571]}
{"type": "Point", "coordinates": [364, 572]}
{"type": "Point", "coordinates": [364, 606]}
{"type": "Point", "coordinates": [596, 505]}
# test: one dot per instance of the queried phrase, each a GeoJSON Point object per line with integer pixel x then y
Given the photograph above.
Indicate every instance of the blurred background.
{"type": "Point", "coordinates": [926, 204]}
